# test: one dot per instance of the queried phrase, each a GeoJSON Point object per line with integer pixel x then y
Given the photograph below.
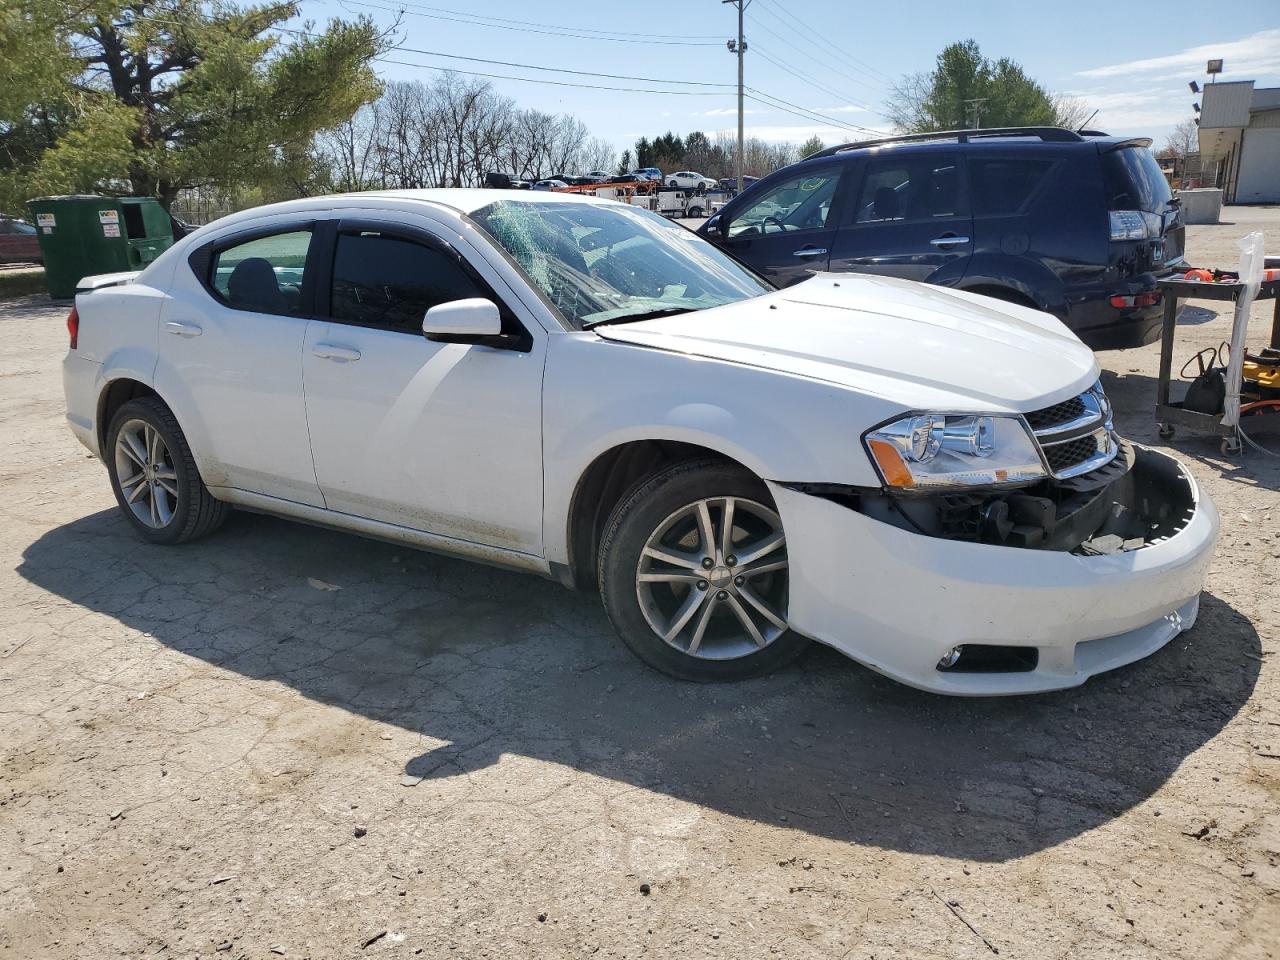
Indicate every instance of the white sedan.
{"type": "Point", "coordinates": [689, 180]}
{"type": "Point", "coordinates": [923, 479]}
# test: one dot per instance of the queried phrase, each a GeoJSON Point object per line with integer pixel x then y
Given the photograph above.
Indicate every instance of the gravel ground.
{"type": "Point", "coordinates": [205, 755]}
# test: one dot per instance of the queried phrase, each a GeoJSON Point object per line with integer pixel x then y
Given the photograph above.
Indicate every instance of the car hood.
{"type": "Point", "coordinates": [923, 346]}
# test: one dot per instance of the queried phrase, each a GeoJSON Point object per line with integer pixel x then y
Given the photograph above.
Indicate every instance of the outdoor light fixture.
{"type": "Point", "coordinates": [1195, 107]}
{"type": "Point", "coordinates": [1195, 87]}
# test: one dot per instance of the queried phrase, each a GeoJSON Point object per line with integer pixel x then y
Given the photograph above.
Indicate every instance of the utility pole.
{"type": "Point", "coordinates": [975, 109]}
{"type": "Point", "coordinates": [739, 47]}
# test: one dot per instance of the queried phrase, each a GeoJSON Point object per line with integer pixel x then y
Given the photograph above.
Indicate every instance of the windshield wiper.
{"type": "Point", "coordinates": [643, 315]}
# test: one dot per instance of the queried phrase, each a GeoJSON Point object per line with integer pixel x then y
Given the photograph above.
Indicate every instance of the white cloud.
{"type": "Point", "coordinates": [1256, 54]}
{"type": "Point", "coordinates": [1148, 111]}
{"type": "Point", "coordinates": [843, 108]}
{"type": "Point", "coordinates": [725, 112]}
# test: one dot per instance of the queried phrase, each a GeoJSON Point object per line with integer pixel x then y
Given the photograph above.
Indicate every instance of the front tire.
{"type": "Point", "coordinates": [693, 572]}
{"type": "Point", "coordinates": [154, 475]}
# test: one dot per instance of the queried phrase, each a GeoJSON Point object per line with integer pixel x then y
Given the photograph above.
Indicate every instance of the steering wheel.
{"type": "Point", "coordinates": [764, 224]}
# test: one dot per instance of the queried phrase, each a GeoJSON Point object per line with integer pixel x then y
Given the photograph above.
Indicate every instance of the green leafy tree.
{"type": "Point", "coordinates": [665, 152]}
{"type": "Point", "coordinates": [965, 90]}
{"type": "Point", "coordinates": [624, 165]}
{"type": "Point", "coordinates": [811, 146]}
{"type": "Point", "coordinates": [151, 97]}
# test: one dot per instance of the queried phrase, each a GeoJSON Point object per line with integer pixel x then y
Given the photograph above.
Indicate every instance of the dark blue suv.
{"type": "Point", "coordinates": [1078, 224]}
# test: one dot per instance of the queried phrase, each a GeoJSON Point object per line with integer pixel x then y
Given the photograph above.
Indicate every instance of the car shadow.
{"type": "Point", "coordinates": [491, 663]}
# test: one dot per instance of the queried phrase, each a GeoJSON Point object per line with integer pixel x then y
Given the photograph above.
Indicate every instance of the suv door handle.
{"type": "Point", "coordinates": [810, 252]}
{"type": "Point", "coordinates": [331, 351]}
{"type": "Point", "coordinates": [179, 329]}
{"type": "Point", "coordinates": [948, 241]}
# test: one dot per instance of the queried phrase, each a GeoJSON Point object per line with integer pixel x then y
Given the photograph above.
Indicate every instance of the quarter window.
{"type": "Point", "coordinates": [1003, 186]}
{"type": "Point", "coordinates": [909, 189]}
{"type": "Point", "coordinates": [264, 274]}
{"type": "Point", "coordinates": [387, 281]}
{"type": "Point", "coordinates": [798, 203]}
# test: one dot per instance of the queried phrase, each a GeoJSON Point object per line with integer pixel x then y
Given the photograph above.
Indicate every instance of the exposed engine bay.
{"type": "Point", "coordinates": [1137, 499]}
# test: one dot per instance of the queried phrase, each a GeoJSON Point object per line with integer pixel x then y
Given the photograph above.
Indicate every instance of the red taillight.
{"type": "Point", "coordinates": [1136, 300]}
{"type": "Point", "coordinates": [73, 326]}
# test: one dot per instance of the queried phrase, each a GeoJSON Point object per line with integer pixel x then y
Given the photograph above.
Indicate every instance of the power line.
{"type": "Point", "coordinates": [786, 106]}
{"type": "Point", "coordinates": [805, 78]}
{"type": "Point", "coordinates": [804, 33]}
{"type": "Point", "coordinates": [402, 8]}
{"type": "Point", "coordinates": [556, 83]}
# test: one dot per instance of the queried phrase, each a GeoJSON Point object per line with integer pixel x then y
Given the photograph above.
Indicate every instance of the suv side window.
{"type": "Point", "coordinates": [264, 274]}
{"type": "Point", "coordinates": [909, 188]}
{"type": "Point", "coordinates": [383, 280]}
{"type": "Point", "coordinates": [798, 203]}
{"type": "Point", "coordinates": [1003, 185]}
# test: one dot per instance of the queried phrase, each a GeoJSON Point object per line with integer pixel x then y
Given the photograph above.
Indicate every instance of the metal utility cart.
{"type": "Point", "coordinates": [1170, 414]}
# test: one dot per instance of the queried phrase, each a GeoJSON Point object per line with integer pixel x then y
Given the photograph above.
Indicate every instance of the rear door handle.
{"type": "Point", "coordinates": [948, 241]}
{"type": "Point", "coordinates": [180, 329]}
{"type": "Point", "coordinates": [810, 252]}
{"type": "Point", "coordinates": [331, 351]}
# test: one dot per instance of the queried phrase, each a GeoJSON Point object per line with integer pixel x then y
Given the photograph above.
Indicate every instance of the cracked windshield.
{"type": "Point", "coordinates": [611, 264]}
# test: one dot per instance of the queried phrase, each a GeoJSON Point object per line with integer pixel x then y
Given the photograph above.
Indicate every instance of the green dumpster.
{"type": "Point", "coordinates": [83, 236]}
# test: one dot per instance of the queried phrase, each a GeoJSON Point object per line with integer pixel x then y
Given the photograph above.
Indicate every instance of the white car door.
{"type": "Point", "coordinates": [231, 337]}
{"type": "Point", "coordinates": [441, 437]}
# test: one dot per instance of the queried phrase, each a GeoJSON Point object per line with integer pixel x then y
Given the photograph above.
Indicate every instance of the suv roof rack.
{"type": "Point", "coordinates": [1048, 134]}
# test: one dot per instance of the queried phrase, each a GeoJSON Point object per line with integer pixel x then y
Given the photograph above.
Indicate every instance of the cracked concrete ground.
{"type": "Point", "coordinates": [206, 756]}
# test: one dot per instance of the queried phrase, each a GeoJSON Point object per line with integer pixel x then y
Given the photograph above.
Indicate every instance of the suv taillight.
{"type": "Point", "coordinates": [1135, 225]}
{"type": "Point", "coordinates": [73, 326]}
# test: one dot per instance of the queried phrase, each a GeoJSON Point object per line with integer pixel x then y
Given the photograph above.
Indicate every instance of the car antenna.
{"type": "Point", "coordinates": [1086, 123]}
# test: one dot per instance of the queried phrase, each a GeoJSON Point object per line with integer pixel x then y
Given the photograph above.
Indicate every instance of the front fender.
{"type": "Point", "coordinates": [601, 394]}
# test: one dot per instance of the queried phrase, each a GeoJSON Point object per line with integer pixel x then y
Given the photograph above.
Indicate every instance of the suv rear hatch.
{"type": "Point", "coordinates": [1147, 232]}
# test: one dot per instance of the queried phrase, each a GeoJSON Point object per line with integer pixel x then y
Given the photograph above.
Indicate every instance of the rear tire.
{"type": "Point", "coordinates": [154, 475]}
{"type": "Point", "coordinates": [703, 610]}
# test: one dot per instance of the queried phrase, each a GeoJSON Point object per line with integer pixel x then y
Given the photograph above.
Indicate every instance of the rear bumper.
{"type": "Point", "coordinates": [1104, 327]}
{"type": "Point", "coordinates": [80, 387]}
{"type": "Point", "coordinates": [897, 601]}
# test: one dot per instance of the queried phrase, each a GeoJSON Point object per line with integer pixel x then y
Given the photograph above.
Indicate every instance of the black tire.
{"type": "Point", "coordinates": [633, 520]}
{"type": "Point", "coordinates": [197, 512]}
{"type": "Point", "coordinates": [695, 211]}
{"type": "Point", "coordinates": [672, 183]}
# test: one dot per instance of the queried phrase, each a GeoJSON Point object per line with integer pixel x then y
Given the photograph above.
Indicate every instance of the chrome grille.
{"type": "Point", "coordinates": [1075, 434]}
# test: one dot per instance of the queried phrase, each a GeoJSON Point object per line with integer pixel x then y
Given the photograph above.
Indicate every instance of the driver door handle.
{"type": "Point", "coordinates": [179, 329]}
{"type": "Point", "coordinates": [810, 252]}
{"type": "Point", "coordinates": [946, 241]}
{"type": "Point", "coordinates": [331, 351]}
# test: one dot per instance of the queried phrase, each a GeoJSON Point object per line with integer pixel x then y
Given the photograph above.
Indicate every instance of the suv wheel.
{"type": "Point", "coordinates": [693, 572]}
{"type": "Point", "coordinates": [154, 476]}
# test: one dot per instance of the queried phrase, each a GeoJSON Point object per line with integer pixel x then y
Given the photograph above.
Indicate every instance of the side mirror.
{"type": "Point", "coordinates": [712, 226]}
{"type": "Point", "coordinates": [462, 321]}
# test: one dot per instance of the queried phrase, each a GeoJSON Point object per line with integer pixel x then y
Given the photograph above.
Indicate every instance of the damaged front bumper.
{"type": "Point", "coordinates": [1042, 601]}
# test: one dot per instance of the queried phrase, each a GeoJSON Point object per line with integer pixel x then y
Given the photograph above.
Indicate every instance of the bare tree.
{"type": "Point", "coordinates": [1183, 140]}
{"type": "Point", "coordinates": [1070, 112]}
{"type": "Point", "coordinates": [907, 103]}
{"type": "Point", "coordinates": [597, 154]}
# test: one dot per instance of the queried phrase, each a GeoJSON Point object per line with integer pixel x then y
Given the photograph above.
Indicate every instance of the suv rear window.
{"type": "Point", "coordinates": [1003, 185]}
{"type": "Point", "coordinates": [1134, 181]}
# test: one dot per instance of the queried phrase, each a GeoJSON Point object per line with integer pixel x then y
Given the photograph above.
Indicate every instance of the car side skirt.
{"type": "Point", "coordinates": [386, 532]}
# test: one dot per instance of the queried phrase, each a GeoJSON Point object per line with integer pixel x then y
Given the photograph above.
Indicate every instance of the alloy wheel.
{"type": "Point", "coordinates": [712, 578]}
{"type": "Point", "coordinates": [145, 472]}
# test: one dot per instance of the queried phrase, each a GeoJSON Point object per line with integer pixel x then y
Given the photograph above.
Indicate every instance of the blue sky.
{"type": "Point", "coordinates": [835, 58]}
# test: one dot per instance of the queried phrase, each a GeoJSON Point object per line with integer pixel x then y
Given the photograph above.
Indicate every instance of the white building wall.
{"type": "Point", "coordinates": [1259, 180]}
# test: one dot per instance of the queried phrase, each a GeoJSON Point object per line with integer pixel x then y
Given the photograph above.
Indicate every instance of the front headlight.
{"type": "Point", "coordinates": [927, 451]}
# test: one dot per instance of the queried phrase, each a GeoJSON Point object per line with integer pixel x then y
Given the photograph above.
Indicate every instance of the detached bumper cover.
{"type": "Point", "coordinates": [897, 601]}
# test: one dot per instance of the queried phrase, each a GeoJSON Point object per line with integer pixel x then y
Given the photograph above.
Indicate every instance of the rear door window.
{"type": "Point", "coordinates": [909, 188]}
{"type": "Point", "coordinates": [263, 275]}
{"type": "Point", "coordinates": [1004, 185]}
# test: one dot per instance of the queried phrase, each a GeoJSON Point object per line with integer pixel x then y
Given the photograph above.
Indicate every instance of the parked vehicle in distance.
{"type": "Point", "coordinates": [731, 183]}
{"type": "Point", "coordinates": [688, 180]}
{"type": "Point", "coordinates": [549, 185]}
{"type": "Point", "coordinates": [653, 173]}
{"type": "Point", "coordinates": [925, 479]}
{"type": "Point", "coordinates": [1080, 225]}
{"type": "Point", "coordinates": [19, 242]}
{"type": "Point", "coordinates": [629, 178]}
